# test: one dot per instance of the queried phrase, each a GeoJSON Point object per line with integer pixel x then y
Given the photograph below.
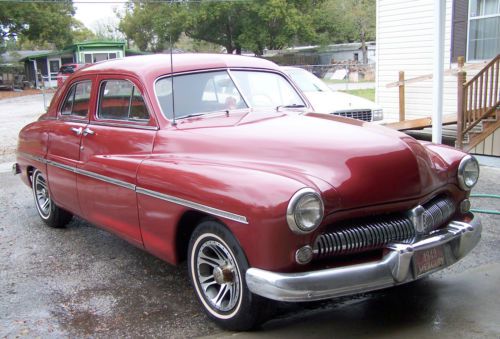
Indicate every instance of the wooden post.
{"type": "Point", "coordinates": [460, 62]}
{"type": "Point", "coordinates": [401, 96]}
{"type": "Point", "coordinates": [461, 76]}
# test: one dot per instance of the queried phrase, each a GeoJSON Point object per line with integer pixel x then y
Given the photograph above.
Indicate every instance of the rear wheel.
{"type": "Point", "coordinates": [217, 267]}
{"type": "Point", "coordinates": [51, 214]}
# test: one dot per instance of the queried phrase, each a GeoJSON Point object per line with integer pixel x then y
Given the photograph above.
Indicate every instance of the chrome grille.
{"type": "Point", "coordinates": [365, 115]}
{"type": "Point", "coordinates": [379, 232]}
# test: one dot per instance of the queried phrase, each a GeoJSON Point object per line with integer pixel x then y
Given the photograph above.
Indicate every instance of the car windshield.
{"type": "Point", "coordinates": [306, 81]}
{"type": "Point", "coordinates": [266, 89]}
{"type": "Point", "coordinates": [200, 93]}
{"type": "Point", "coordinates": [68, 69]}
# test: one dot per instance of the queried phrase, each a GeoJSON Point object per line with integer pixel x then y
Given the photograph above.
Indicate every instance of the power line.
{"type": "Point", "coordinates": [116, 1]}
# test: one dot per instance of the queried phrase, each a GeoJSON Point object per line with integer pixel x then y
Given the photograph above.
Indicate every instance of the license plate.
{"type": "Point", "coordinates": [428, 260]}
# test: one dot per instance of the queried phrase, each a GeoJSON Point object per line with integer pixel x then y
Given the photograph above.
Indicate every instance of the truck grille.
{"type": "Point", "coordinates": [365, 115]}
{"type": "Point", "coordinates": [356, 237]}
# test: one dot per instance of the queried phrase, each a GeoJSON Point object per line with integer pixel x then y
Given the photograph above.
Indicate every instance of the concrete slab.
{"type": "Point", "coordinates": [459, 306]}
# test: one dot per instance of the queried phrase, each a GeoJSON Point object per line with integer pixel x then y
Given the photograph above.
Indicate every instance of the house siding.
{"type": "Point", "coordinates": [490, 146]}
{"type": "Point", "coordinates": [405, 39]}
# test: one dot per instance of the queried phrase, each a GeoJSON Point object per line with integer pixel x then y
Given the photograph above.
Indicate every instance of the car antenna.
{"type": "Point", "coordinates": [172, 77]}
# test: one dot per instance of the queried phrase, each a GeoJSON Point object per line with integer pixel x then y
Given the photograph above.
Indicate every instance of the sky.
{"type": "Point", "coordinates": [95, 10]}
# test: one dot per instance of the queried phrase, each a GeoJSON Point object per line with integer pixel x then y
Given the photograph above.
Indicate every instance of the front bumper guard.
{"type": "Point", "coordinates": [396, 267]}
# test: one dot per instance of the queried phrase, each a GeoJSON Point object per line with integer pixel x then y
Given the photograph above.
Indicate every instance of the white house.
{"type": "Point", "coordinates": [405, 37]}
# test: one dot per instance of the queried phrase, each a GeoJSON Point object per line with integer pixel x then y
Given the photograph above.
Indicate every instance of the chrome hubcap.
{"type": "Point", "coordinates": [42, 196]}
{"type": "Point", "coordinates": [218, 276]}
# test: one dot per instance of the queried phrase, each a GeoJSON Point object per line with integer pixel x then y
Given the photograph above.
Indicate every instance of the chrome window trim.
{"type": "Point", "coordinates": [112, 124]}
{"type": "Point", "coordinates": [139, 190]}
{"type": "Point", "coordinates": [193, 205]}
{"type": "Point", "coordinates": [80, 121]}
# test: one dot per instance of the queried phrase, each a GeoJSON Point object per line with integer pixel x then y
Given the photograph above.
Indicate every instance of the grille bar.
{"type": "Point", "coordinates": [365, 115]}
{"type": "Point", "coordinates": [365, 236]}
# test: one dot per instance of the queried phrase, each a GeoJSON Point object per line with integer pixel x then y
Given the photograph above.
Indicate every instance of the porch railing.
{"type": "Point", "coordinates": [478, 98]}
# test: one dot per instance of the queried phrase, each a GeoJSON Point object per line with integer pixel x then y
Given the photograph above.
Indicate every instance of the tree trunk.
{"type": "Point", "coordinates": [364, 49]}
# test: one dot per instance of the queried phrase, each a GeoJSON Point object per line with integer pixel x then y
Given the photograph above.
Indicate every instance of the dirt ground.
{"type": "Point", "coordinates": [22, 93]}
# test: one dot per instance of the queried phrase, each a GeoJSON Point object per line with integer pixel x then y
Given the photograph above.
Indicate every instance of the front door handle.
{"type": "Point", "coordinates": [87, 131]}
{"type": "Point", "coordinates": [78, 130]}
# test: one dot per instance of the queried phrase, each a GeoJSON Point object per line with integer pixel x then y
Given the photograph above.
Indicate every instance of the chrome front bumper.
{"type": "Point", "coordinates": [396, 267]}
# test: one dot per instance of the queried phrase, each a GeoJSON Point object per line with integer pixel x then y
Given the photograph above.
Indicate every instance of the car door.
{"type": "Point", "coordinates": [118, 138]}
{"type": "Point", "coordinates": [64, 143]}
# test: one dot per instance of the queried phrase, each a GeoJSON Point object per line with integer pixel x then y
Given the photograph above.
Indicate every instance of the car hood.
{"type": "Point", "coordinates": [330, 102]}
{"type": "Point", "coordinates": [366, 164]}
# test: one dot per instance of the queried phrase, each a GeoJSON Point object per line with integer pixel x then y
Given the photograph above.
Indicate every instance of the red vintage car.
{"type": "Point", "coordinates": [217, 161]}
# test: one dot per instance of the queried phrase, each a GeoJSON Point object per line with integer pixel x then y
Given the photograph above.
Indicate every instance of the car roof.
{"type": "Point", "coordinates": [155, 65]}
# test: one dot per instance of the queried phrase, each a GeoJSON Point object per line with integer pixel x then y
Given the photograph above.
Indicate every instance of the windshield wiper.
{"type": "Point", "coordinates": [290, 106]}
{"type": "Point", "coordinates": [192, 115]}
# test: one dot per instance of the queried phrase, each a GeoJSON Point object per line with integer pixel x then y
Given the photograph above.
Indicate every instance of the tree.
{"type": "Point", "coordinates": [151, 25]}
{"type": "Point", "coordinates": [37, 22]}
{"type": "Point", "coordinates": [363, 20]}
{"type": "Point", "coordinates": [107, 29]}
{"type": "Point", "coordinates": [274, 24]}
{"type": "Point", "coordinates": [81, 33]}
{"type": "Point", "coordinates": [220, 23]}
{"type": "Point", "coordinates": [347, 21]}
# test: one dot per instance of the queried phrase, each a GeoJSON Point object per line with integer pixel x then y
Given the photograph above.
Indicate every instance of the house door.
{"type": "Point", "coordinates": [54, 65]}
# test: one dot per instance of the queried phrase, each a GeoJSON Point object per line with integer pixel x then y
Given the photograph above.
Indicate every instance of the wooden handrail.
{"type": "Point", "coordinates": [451, 71]}
{"type": "Point", "coordinates": [482, 71]}
{"type": "Point", "coordinates": [478, 98]}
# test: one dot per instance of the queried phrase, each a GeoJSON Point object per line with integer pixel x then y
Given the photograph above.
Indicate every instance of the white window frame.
{"type": "Point", "coordinates": [478, 17]}
{"type": "Point", "coordinates": [118, 54]}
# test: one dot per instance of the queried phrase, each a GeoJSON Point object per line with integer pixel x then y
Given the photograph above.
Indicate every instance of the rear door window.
{"type": "Point", "coordinates": [121, 100]}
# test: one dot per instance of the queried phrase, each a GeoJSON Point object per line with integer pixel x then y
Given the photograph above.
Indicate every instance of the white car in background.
{"type": "Point", "coordinates": [324, 100]}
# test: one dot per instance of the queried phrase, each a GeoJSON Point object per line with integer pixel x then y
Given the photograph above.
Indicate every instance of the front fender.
{"type": "Point", "coordinates": [168, 187]}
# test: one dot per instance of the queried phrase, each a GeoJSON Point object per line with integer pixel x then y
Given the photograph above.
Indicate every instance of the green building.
{"type": "Point", "coordinates": [48, 63]}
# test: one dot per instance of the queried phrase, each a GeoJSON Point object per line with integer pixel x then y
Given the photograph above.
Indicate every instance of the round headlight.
{"type": "Point", "coordinates": [305, 211]}
{"type": "Point", "coordinates": [468, 172]}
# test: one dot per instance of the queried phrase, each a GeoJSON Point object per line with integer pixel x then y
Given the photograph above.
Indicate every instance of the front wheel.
{"type": "Point", "coordinates": [51, 214]}
{"type": "Point", "coordinates": [217, 267]}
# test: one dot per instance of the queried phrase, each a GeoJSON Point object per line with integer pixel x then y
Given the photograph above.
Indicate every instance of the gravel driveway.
{"type": "Point", "coordinates": [81, 281]}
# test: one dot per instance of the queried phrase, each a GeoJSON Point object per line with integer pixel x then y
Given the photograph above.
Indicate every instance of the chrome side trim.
{"type": "Point", "coordinates": [140, 190]}
{"type": "Point", "coordinates": [193, 205]}
{"type": "Point", "coordinates": [62, 166]}
{"type": "Point", "coordinates": [397, 267]}
{"type": "Point", "coordinates": [32, 157]}
{"type": "Point", "coordinates": [107, 179]}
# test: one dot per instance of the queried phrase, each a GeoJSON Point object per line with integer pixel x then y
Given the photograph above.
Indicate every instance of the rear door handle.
{"type": "Point", "coordinates": [87, 131]}
{"type": "Point", "coordinates": [78, 130]}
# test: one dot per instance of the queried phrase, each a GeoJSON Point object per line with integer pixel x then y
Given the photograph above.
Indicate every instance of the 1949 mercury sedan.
{"type": "Point", "coordinates": [218, 162]}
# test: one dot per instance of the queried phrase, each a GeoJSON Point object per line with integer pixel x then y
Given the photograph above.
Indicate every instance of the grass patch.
{"type": "Point", "coordinates": [333, 81]}
{"type": "Point", "coordinates": [368, 93]}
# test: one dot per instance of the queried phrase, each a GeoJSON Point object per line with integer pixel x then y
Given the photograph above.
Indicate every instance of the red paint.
{"type": "Point", "coordinates": [248, 163]}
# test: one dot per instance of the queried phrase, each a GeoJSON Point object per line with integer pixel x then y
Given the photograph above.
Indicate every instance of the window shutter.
{"type": "Point", "coordinates": [459, 29]}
